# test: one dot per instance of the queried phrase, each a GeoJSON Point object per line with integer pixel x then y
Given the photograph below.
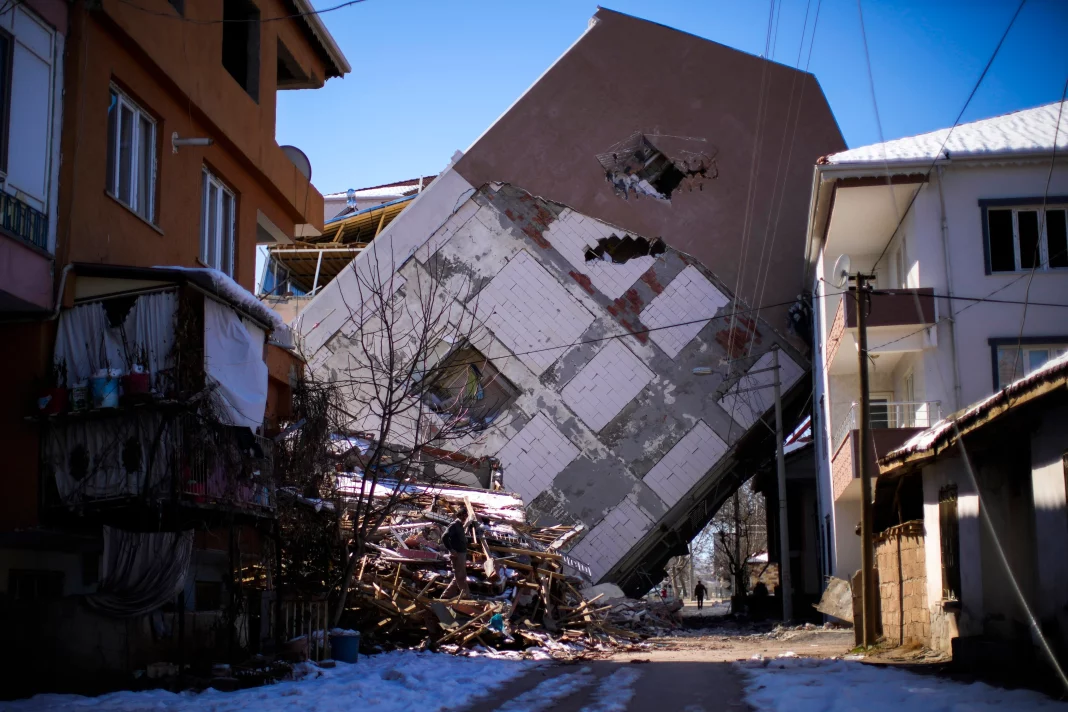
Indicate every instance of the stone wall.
{"type": "Point", "coordinates": [944, 628]}
{"type": "Point", "coordinates": [902, 576]}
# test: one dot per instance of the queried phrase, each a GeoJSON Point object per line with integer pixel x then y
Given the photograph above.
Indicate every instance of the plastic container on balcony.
{"type": "Point", "coordinates": [345, 647]}
{"type": "Point", "coordinates": [136, 385]}
{"type": "Point", "coordinates": [105, 388]}
{"type": "Point", "coordinates": [52, 401]}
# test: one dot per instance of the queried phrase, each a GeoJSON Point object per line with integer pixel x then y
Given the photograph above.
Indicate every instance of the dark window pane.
{"type": "Point", "coordinates": [1010, 365]}
{"type": "Point", "coordinates": [126, 157]}
{"type": "Point", "coordinates": [1028, 222]}
{"type": "Point", "coordinates": [1057, 239]}
{"type": "Point", "coordinates": [5, 82]}
{"type": "Point", "coordinates": [879, 413]}
{"type": "Point", "coordinates": [1002, 254]}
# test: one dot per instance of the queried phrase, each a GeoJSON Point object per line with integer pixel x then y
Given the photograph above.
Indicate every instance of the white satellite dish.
{"type": "Point", "coordinates": [299, 159]}
{"type": "Point", "coordinates": [841, 271]}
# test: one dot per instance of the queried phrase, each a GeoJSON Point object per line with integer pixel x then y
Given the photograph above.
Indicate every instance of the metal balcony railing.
{"type": "Point", "coordinates": [19, 219]}
{"type": "Point", "coordinates": [889, 414]}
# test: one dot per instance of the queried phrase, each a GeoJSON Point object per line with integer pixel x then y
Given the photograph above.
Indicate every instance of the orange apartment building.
{"type": "Point", "coordinates": [135, 135]}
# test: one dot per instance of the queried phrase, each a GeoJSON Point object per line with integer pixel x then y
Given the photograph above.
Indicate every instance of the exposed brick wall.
{"type": "Point", "coordinates": [685, 463]}
{"type": "Point", "coordinates": [902, 575]}
{"type": "Point", "coordinates": [612, 378]}
{"type": "Point", "coordinates": [524, 324]}
{"type": "Point", "coordinates": [572, 233]}
{"type": "Point", "coordinates": [842, 472]}
{"type": "Point", "coordinates": [534, 457]}
{"type": "Point", "coordinates": [687, 298]}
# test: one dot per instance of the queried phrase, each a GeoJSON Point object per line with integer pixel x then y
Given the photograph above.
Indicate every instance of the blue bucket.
{"type": "Point", "coordinates": [105, 391]}
{"type": "Point", "coordinates": [345, 648]}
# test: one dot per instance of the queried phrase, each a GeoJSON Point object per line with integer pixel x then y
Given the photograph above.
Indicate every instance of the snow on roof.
{"type": "Point", "coordinates": [1026, 131]}
{"type": "Point", "coordinates": [387, 189]}
{"type": "Point", "coordinates": [234, 293]}
{"type": "Point", "coordinates": [944, 429]}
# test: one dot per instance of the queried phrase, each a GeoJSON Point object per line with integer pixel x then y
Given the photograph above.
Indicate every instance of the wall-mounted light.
{"type": "Point", "coordinates": [176, 142]}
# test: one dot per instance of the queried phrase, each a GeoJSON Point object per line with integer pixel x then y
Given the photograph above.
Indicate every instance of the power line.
{"type": "Point", "coordinates": [1043, 226]}
{"type": "Point", "coordinates": [942, 148]}
{"type": "Point", "coordinates": [192, 21]}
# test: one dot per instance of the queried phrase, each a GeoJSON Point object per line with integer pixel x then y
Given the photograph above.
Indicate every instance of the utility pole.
{"type": "Point", "coordinates": [867, 551]}
{"type": "Point", "coordinates": [785, 581]}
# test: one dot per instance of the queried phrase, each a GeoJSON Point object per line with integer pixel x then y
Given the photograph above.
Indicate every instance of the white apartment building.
{"type": "Point", "coordinates": [948, 222]}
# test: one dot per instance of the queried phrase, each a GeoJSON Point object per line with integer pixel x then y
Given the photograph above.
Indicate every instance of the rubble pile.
{"type": "Point", "coordinates": [521, 590]}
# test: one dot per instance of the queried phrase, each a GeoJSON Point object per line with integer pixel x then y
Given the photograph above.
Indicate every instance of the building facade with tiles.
{"type": "Point", "coordinates": [608, 425]}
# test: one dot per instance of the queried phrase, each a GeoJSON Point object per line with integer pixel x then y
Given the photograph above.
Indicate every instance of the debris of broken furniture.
{"type": "Point", "coordinates": [524, 591]}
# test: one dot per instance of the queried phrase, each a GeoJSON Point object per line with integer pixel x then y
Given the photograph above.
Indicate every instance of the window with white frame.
{"type": "Point", "coordinates": [1024, 237]}
{"type": "Point", "coordinates": [131, 161]}
{"type": "Point", "coordinates": [218, 208]}
{"type": "Point", "coordinates": [1014, 362]}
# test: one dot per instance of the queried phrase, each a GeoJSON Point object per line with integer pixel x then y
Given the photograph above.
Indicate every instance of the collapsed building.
{"type": "Point", "coordinates": [621, 225]}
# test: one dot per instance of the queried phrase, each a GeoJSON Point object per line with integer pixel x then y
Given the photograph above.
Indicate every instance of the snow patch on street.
{"type": "Point", "coordinates": [615, 691]}
{"type": "Point", "coordinates": [812, 685]}
{"type": "Point", "coordinates": [391, 682]}
{"type": "Point", "coordinates": [548, 692]}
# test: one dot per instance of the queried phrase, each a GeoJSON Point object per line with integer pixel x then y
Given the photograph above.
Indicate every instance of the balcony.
{"type": "Point", "coordinates": [25, 265]}
{"type": "Point", "coordinates": [896, 325]}
{"type": "Point", "coordinates": [892, 423]}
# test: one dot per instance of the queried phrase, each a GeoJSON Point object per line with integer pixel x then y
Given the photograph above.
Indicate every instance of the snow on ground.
{"type": "Point", "coordinates": [792, 684]}
{"type": "Point", "coordinates": [391, 682]}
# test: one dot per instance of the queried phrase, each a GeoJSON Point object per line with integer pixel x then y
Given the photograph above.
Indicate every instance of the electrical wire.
{"type": "Point", "coordinates": [1043, 227]}
{"type": "Point", "coordinates": [192, 21]}
{"type": "Point", "coordinates": [942, 148]}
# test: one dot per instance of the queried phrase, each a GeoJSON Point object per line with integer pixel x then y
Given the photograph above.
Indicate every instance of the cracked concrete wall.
{"type": "Point", "coordinates": [610, 427]}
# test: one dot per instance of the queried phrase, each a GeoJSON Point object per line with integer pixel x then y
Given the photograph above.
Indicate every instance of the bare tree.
{"type": "Point", "coordinates": [738, 532]}
{"type": "Point", "coordinates": [412, 387]}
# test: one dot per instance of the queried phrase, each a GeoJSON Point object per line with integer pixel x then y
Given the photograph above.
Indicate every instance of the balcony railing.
{"type": "Point", "coordinates": [20, 220]}
{"type": "Point", "coordinates": [892, 414]}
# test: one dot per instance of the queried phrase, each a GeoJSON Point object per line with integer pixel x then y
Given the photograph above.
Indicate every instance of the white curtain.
{"type": "Point", "coordinates": [233, 360]}
{"type": "Point", "coordinates": [141, 572]}
{"type": "Point", "coordinates": [87, 342]}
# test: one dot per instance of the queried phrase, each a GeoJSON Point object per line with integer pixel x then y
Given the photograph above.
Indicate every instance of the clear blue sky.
{"type": "Point", "coordinates": [430, 75]}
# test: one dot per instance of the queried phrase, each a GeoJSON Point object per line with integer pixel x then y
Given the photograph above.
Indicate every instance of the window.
{"type": "Point", "coordinates": [910, 398]}
{"type": "Point", "coordinates": [879, 411]}
{"type": "Point", "coordinates": [34, 585]}
{"type": "Point", "coordinates": [1018, 238]}
{"type": "Point", "coordinates": [466, 385]}
{"type": "Point", "coordinates": [5, 94]}
{"type": "Point", "coordinates": [1013, 362]}
{"type": "Point", "coordinates": [949, 531]}
{"type": "Point", "coordinates": [131, 161]}
{"type": "Point", "coordinates": [217, 213]}
{"type": "Point", "coordinates": [241, 44]}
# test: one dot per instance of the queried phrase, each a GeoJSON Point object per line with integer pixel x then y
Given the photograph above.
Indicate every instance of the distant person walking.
{"type": "Point", "coordinates": [699, 592]}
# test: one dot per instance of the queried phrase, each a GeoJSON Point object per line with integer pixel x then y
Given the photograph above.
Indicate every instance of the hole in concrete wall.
{"type": "Point", "coordinates": [618, 250]}
{"type": "Point", "coordinates": [638, 166]}
{"type": "Point", "coordinates": [466, 386]}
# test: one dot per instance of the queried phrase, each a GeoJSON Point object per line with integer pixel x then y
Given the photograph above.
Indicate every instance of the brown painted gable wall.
{"type": "Point", "coordinates": [627, 75]}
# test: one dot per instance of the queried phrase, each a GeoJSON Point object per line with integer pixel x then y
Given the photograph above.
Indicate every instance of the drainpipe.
{"type": "Point", "coordinates": [949, 291]}
{"type": "Point", "coordinates": [59, 302]}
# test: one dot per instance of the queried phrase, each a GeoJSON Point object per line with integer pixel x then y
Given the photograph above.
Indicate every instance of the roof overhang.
{"type": "Point", "coordinates": [338, 64]}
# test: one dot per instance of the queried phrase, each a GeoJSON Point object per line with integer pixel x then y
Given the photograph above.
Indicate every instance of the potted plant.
{"type": "Point", "coordinates": [136, 384]}
{"type": "Point", "coordinates": [53, 399]}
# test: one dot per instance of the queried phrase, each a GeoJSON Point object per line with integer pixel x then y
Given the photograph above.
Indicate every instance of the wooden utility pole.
{"type": "Point", "coordinates": [785, 582]}
{"type": "Point", "coordinates": [867, 550]}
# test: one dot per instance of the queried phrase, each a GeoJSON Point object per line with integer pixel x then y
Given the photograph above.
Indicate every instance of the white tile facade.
{"type": "Point", "coordinates": [612, 378]}
{"type": "Point", "coordinates": [686, 463]}
{"type": "Point", "coordinates": [455, 222]}
{"type": "Point", "coordinates": [529, 310]}
{"type": "Point", "coordinates": [534, 457]}
{"type": "Point", "coordinates": [689, 297]}
{"type": "Point", "coordinates": [610, 540]}
{"type": "Point", "coordinates": [747, 400]}
{"type": "Point", "coordinates": [572, 233]}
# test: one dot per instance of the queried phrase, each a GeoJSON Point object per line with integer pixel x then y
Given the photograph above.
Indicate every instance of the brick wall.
{"type": "Point", "coordinates": [902, 576]}
{"type": "Point", "coordinates": [834, 338]}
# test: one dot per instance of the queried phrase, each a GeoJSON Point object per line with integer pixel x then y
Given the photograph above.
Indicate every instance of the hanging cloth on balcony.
{"type": "Point", "coordinates": [233, 360]}
{"type": "Point", "coordinates": [141, 572]}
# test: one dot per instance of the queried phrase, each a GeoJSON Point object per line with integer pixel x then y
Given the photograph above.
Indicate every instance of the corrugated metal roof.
{"type": "Point", "coordinates": [1026, 131]}
{"type": "Point", "coordinates": [925, 445]}
{"type": "Point", "coordinates": [399, 188]}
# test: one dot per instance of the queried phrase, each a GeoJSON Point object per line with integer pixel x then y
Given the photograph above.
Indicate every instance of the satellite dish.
{"type": "Point", "coordinates": [841, 271]}
{"type": "Point", "coordinates": [299, 160]}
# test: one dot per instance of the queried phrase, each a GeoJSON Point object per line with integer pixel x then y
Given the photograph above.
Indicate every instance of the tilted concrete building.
{"type": "Point", "coordinates": [632, 216]}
